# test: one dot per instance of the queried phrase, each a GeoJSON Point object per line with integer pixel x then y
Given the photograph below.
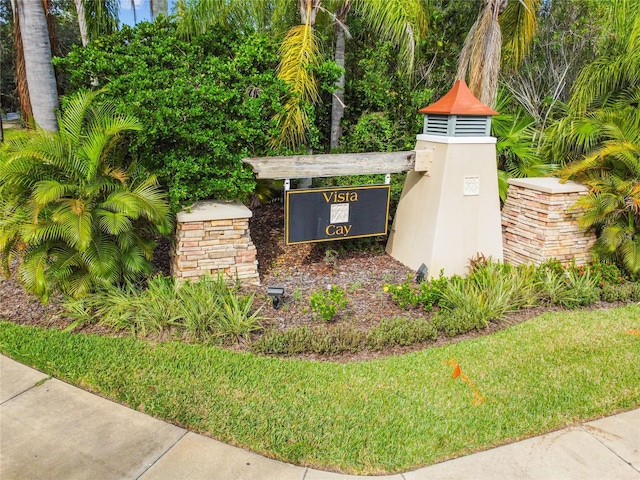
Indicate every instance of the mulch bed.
{"type": "Point", "coordinates": [301, 270]}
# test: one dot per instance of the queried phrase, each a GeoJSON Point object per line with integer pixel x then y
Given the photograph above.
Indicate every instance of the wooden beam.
{"type": "Point", "coordinates": [304, 166]}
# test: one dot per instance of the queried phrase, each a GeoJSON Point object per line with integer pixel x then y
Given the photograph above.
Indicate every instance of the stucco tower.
{"type": "Point", "coordinates": [449, 210]}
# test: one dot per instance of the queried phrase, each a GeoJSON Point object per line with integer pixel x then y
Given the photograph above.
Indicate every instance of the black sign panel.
{"type": "Point", "coordinates": [339, 213]}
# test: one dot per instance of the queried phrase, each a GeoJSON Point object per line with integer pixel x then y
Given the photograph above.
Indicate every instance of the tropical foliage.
{"type": "Point", "coordinates": [77, 213]}
{"type": "Point", "coordinates": [401, 22]}
{"type": "Point", "coordinates": [599, 140]}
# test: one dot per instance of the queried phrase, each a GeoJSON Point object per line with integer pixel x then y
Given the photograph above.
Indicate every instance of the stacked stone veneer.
{"type": "Point", "coordinates": [539, 222]}
{"type": "Point", "coordinates": [214, 237]}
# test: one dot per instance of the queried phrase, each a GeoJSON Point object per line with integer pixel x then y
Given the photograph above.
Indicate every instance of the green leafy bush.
{"type": "Point", "coordinates": [606, 273]}
{"type": "Point", "coordinates": [204, 103]}
{"type": "Point", "coordinates": [431, 290]}
{"type": "Point", "coordinates": [327, 303]}
{"type": "Point", "coordinates": [569, 287]}
{"type": "Point", "coordinates": [292, 341]}
{"type": "Point", "coordinates": [581, 289]}
{"type": "Point", "coordinates": [404, 294]}
{"type": "Point", "coordinates": [400, 332]}
{"type": "Point", "coordinates": [334, 340]}
{"type": "Point", "coordinates": [616, 293]}
{"type": "Point", "coordinates": [75, 210]}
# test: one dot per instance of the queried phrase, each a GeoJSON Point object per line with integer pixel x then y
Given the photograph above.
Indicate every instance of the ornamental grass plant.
{"type": "Point", "coordinates": [207, 310]}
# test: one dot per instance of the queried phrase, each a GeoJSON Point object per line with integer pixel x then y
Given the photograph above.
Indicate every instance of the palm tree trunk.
{"type": "Point", "coordinates": [26, 114]}
{"type": "Point", "coordinates": [337, 104]}
{"type": "Point", "coordinates": [41, 78]}
{"type": "Point", "coordinates": [157, 7]}
{"type": "Point", "coordinates": [82, 21]}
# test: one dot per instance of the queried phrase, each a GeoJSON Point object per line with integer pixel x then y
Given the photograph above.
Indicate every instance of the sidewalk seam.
{"type": "Point", "coordinates": [163, 454]}
{"type": "Point", "coordinates": [306, 470]}
{"type": "Point", "coordinates": [608, 448]}
{"type": "Point", "coordinates": [37, 384]}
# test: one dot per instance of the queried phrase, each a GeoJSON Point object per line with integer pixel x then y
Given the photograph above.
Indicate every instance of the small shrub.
{"type": "Point", "coordinates": [431, 291]}
{"type": "Point", "coordinates": [320, 339]}
{"type": "Point", "coordinates": [459, 321]}
{"type": "Point", "coordinates": [327, 303]}
{"type": "Point", "coordinates": [235, 320]}
{"type": "Point", "coordinates": [400, 332]}
{"type": "Point", "coordinates": [551, 284]}
{"type": "Point", "coordinates": [635, 292]}
{"type": "Point", "coordinates": [333, 341]}
{"type": "Point", "coordinates": [490, 291]}
{"type": "Point", "coordinates": [616, 293]}
{"type": "Point", "coordinates": [606, 273]}
{"type": "Point", "coordinates": [292, 341]}
{"type": "Point", "coordinates": [404, 295]}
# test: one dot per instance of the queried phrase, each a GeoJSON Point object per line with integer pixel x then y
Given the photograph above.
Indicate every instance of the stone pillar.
{"type": "Point", "coordinates": [213, 237]}
{"type": "Point", "coordinates": [540, 222]}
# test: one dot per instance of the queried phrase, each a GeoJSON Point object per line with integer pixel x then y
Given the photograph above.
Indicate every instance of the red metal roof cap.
{"type": "Point", "coordinates": [459, 101]}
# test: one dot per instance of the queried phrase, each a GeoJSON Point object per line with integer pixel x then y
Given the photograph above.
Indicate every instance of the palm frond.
{"type": "Point", "coordinates": [33, 271]}
{"type": "Point", "coordinates": [480, 55]}
{"type": "Point", "coordinates": [76, 221]}
{"type": "Point", "coordinates": [403, 22]}
{"type": "Point", "coordinates": [72, 120]}
{"type": "Point", "coordinates": [48, 191]}
{"type": "Point", "coordinates": [630, 251]}
{"type": "Point", "coordinates": [102, 260]}
{"type": "Point", "coordinates": [519, 24]}
{"type": "Point", "coordinates": [112, 223]}
{"type": "Point", "coordinates": [299, 53]}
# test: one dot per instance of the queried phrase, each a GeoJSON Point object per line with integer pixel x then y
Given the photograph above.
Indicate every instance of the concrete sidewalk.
{"type": "Point", "coordinates": [51, 430]}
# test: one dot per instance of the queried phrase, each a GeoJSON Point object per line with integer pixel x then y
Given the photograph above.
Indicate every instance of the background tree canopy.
{"type": "Point", "coordinates": [204, 104]}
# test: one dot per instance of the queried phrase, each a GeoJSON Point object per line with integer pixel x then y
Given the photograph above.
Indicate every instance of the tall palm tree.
{"type": "Point", "coordinates": [158, 7]}
{"type": "Point", "coordinates": [400, 21]}
{"type": "Point", "coordinates": [74, 210]}
{"type": "Point", "coordinates": [36, 48]}
{"type": "Point", "coordinates": [96, 17]}
{"type": "Point", "coordinates": [512, 23]}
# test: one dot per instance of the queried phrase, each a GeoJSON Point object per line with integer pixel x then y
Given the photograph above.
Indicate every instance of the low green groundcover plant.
{"type": "Point", "coordinates": [375, 417]}
{"type": "Point", "coordinates": [325, 340]}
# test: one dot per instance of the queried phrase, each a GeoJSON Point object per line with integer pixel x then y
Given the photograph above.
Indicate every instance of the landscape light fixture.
{"type": "Point", "coordinates": [276, 294]}
{"type": "Point", "coordinates": [423, 271]}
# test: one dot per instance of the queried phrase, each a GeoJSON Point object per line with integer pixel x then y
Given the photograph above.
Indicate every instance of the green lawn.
{"type": "Point", "coordinates": [388, 415]}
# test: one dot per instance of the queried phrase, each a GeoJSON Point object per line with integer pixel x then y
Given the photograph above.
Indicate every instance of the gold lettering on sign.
{"type": "Point", "coordinates": [338, 230]}
{"type": "Point", "coordinates": [340, 197]}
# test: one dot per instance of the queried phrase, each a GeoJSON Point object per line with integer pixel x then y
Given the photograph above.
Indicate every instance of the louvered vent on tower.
{"type": "Point", "coordinates": [436, 124]}
{"type": "Point", "coordinates": [472, 126]}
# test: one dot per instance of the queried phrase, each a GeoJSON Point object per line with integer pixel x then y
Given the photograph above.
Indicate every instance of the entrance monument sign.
{"type": "Point", "coordinates": [339, 213]}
